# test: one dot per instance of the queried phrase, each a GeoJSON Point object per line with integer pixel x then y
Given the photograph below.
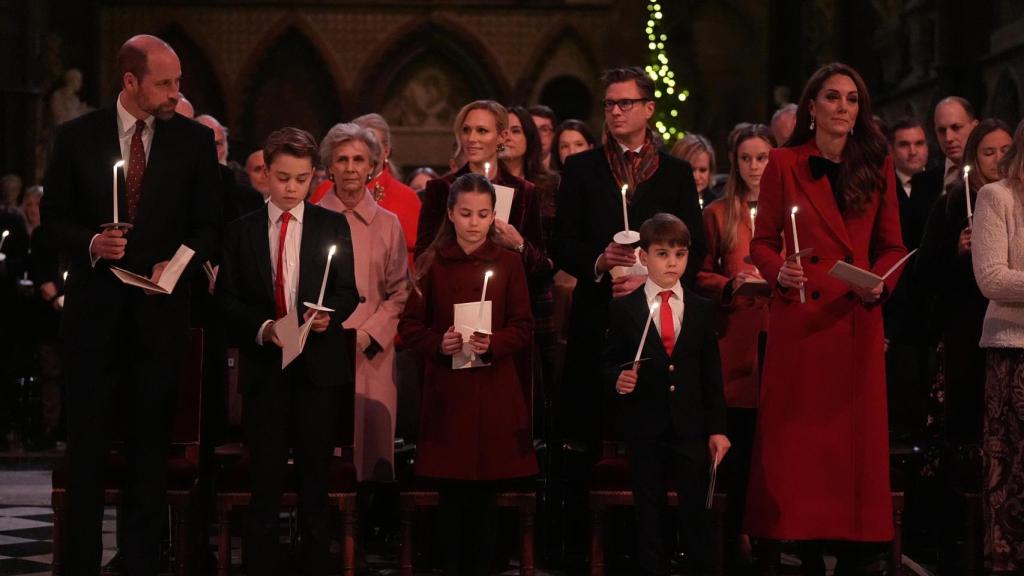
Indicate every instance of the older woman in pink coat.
{"type": "Point", "coordinates": [351, 155]}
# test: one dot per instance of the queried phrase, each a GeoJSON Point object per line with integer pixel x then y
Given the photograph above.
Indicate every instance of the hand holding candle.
{"type": "Point", "coordinates": [967, 194]}
{"type": "Point", "coordinates": [796, 249]}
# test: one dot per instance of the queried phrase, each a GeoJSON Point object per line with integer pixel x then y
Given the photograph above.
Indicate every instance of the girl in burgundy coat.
{"type": "Point", "coordinates": [820, 469]}
{"type": "Point", "coordinates": [474, 424]}
{"type": "Point", "coordinates": [729, 226]}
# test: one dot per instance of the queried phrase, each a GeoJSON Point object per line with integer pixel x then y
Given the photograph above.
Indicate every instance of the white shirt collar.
{"type": "Point", "coordinates": [625, 149]}
{"type": "Point", "coordinates": [651, 291]}
{"type": "Point", "coordinates": [274, 213]}
{"type": "Point", "coordinates": [126, 121]}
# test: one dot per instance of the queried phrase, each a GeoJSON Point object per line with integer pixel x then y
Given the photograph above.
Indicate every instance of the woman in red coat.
{"type": "Point", "coordinates": [729, 226]}
{"type": "Point", "coordinates": [474, 429]}
{"type": "Point", "coordinates": [820, 469]}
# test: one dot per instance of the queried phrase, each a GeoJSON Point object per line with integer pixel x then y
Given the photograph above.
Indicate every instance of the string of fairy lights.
{"type": "Point", "coordinates": [666, 93]}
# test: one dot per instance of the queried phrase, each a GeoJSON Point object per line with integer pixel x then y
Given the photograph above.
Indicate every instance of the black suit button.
{"type": "Point", "coordinates": [362, 299]}
{"type": "Point", "coordinates": [850, 296]}
{"type": "Point", "coordinates": [815, 259]}
{"type": "Point", "coordinates": [848, 259]}
{"type": "Point", "coordinates": [815, 295]}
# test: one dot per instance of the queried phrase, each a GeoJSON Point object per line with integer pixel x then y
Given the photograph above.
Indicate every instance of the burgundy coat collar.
{"type": "Point", "coordinates": [488, 252]}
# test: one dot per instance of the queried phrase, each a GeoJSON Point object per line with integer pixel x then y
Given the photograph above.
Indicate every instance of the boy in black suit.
{"type": "Point", "coordinates": [273, 261]}
{"type": "Point", "coordinates": [670, 406]}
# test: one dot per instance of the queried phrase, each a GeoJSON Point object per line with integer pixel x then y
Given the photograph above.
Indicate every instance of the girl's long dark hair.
{"type": "Point", "coordinates": [533, 161]}
{"type": "Point", "coordinates": [469, 182]}
{"type": "Point", "coordinates": [861, 173]}
{"type": "Point", "coordinates": [570, 124]}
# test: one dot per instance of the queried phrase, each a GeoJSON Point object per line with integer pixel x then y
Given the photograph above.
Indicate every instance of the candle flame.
{"type": "Point", "coordinates": [487, 169]}
{"type": "Point", "coordinates": [793, 211]}
{"type": "Point", "coordinates": [488, 274]}
{"type": "Point", "coordinates": [65, 276]}
{"type": "Point", "coordinates": [967, 169]}
{"type": "Point", "coordinates": [332, 250]}
{"type": "Point", "coordinates": [5, 234]}
{"type": "Point", "coordinates": [625, 188]}
{"type": "Point", "coordinates": [118, 164]}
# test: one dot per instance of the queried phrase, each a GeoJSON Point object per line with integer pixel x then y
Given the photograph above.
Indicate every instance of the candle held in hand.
{"type": "Point", "coordinates": [327, 271]}
{"type": "Point", "coordinates": [625, 213]}
{"type": "Point", "coordinates": [117, 165]}
{"type": "Point", "coordinates": [643, 338]}
{"type": "Point", "coordinates": [483, 297]}
{"type": "Point", "coordinates": [796, 249]}
{"type": "Point", "coordinates": [967, 193]}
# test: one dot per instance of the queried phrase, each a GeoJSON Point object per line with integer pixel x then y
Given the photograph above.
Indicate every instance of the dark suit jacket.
{"type": "Point", "coordinates": [245, 289]}
{"type": "Point", "coordinates": [681, 393]}
{"type": "Point", "coordinates": [904, 312]}
{"type": "Point", "coordinates": [180, 204]}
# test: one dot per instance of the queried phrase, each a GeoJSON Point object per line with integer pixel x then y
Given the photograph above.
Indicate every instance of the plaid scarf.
{"type": "Point", "coordinates": [629, 167]}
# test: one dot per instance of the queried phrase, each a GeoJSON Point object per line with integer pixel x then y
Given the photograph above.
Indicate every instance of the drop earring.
{"type": "Point", "coordinates": [812, 124]}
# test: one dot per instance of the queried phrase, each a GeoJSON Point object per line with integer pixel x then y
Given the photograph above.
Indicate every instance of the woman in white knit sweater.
{"type": "Point", "coordinates": [998, 254]}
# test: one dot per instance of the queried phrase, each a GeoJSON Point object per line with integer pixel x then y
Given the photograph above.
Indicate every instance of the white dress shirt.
{"type": "Point", "coordinates": [652, 292]}
{"type": "Point", "coordinates": [125, 132]}
{"type": "Point", "coordinates": [904, 181]}
{"type": "Point", "coordinates": [292, 247]}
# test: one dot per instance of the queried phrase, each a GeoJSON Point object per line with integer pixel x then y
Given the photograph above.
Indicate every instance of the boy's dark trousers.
{"type": "Point", "coordinates": [685, 462]}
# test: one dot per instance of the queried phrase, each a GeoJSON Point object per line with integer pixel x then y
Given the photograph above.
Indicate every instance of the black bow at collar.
{"type": "Point", "coordinates": [823, 167]}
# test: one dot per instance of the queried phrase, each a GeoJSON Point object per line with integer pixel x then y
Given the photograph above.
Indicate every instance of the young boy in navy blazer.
{"type": "Point", "coordinates": [670, 406]}
{"type": "Point", "coordinates": [274, 260]}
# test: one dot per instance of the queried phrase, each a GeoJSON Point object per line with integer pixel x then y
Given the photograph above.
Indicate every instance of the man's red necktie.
{"type": "Point", "coordinates": [280, 303]}
{"type": "Point", "coordinates": [136, 169]}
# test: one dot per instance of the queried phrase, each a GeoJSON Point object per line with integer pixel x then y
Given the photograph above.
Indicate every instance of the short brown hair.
{"type": "Point", "coordinates": [291, 141]}
{"type": "Point", "coordinates": [634, 73]}
{"type": "Point", "coordinates": [131, 58]}
{"type": "Point", "coordinates": [666, 229]}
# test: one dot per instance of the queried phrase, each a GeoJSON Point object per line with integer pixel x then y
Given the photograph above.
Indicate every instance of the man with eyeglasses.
{"type": "Point", "coordinates": [589, 215]}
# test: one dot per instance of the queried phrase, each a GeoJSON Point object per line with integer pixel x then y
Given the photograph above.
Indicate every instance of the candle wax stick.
{"type": "Point", "coordinates": [117, 165]}
{"type": "Point", "coordinates": [483, 297]}
{"type": "Point", "coordinates": [796, 249]}
{"type": "Point", "coordinates": [327, 270]}
{"type": "Point", "coordinates": [3, 238]}
{"type": "Point", "coordinates": [967, 194]}
{"type": "Point", "coordinates": [643, 338]}
{"type": "Point", "coordinates": [625, 212]}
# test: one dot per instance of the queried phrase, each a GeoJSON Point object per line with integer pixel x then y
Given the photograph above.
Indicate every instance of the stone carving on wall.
{"type": "Point", "coordinates": [427, 97]}
{"type": "Point", "coordinates": [64, 102]}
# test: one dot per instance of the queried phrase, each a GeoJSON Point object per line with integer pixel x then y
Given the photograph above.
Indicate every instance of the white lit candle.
{"type": "Point", "coordinates": [643, 338]}
{"type": "Point", "coordinates": [327, 270]}
{"type": "Point", "coordinates": [3, 238]}
{"type": "Point", "coordinates": [483, 297]}
{"type": "Point", "coordinates": [967, 193]}
{"type": "Point", "coordinates": [625, 213]}
{"type": "Point", "coordinates": [796, 249]}
{"type": "Point", "coordinates": [117, 165]}
{"type": "Point", "coordinates": [487, 170]}
{"type": "Point", "coordinates": [753, 216]}
{"type": "Point", "coordinates": [65, 276]}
